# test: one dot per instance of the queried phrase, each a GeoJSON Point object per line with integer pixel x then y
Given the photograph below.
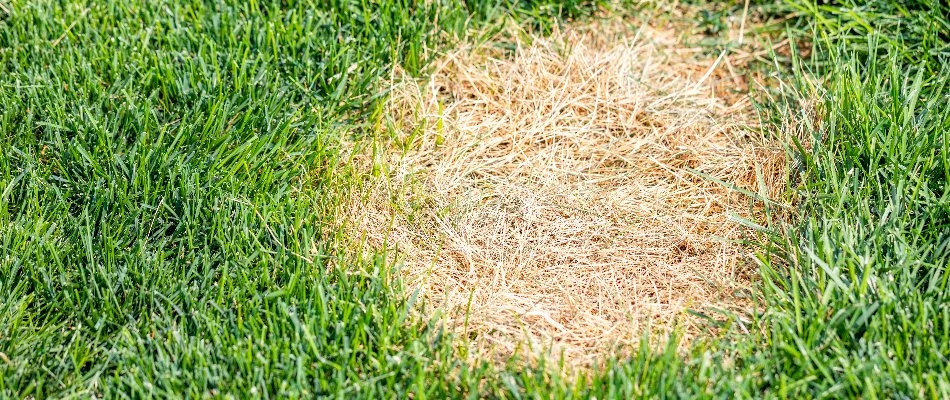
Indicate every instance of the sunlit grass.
{"type": "Point", "coordinates": [167, 171]}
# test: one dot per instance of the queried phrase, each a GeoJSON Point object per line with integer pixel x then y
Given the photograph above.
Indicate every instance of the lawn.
{"type": "Point", "coordinates": [172, 175]}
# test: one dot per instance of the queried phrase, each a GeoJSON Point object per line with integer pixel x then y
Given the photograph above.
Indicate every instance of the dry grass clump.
{"type": "Point", "coordinates": [542, 196]}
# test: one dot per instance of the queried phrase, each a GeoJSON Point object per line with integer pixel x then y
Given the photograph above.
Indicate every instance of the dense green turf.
{"type": "Point", "coordinates": [166, 169]}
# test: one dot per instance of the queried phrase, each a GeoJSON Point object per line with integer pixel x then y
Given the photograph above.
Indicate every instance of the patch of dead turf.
{"type": "Point", "coordinates": [542, 197]}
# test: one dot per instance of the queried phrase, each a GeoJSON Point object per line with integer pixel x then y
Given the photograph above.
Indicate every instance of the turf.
{"type": "Point", "coordinates": [166, 171]}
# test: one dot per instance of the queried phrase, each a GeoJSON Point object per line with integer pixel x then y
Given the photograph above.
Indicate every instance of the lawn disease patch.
{"type": "Point", "coordinates": [570, 192]}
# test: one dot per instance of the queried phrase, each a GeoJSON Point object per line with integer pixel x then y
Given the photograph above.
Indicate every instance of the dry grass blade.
{"type": "Point", "coordinates": [546, 197]}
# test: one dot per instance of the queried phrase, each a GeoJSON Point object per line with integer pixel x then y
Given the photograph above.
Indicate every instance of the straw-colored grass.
{"type": "Point", "coordinates": [543, 196]}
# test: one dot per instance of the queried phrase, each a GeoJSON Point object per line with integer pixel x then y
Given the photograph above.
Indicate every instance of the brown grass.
{"type": "Point", "coordinates": [543, 197]}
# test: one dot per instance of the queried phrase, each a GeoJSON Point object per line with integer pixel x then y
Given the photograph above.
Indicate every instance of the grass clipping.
{"type": "Point", "coordinates": [540, 198]}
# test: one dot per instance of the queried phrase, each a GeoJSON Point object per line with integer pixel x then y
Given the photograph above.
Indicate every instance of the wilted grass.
{"type": "Point", "coordinates": [166, 171]}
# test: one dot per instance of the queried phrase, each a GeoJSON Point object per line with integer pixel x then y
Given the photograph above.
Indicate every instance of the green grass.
{"type": "Point", "coordinates": [167, 170]}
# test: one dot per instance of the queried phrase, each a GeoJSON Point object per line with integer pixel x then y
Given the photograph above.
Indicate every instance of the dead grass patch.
{"type": "Point", "coordinates": [542, 197]}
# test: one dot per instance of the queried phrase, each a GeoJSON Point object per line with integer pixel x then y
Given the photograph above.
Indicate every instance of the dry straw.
{"type": "Point", "coordinates": [542, 197]}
